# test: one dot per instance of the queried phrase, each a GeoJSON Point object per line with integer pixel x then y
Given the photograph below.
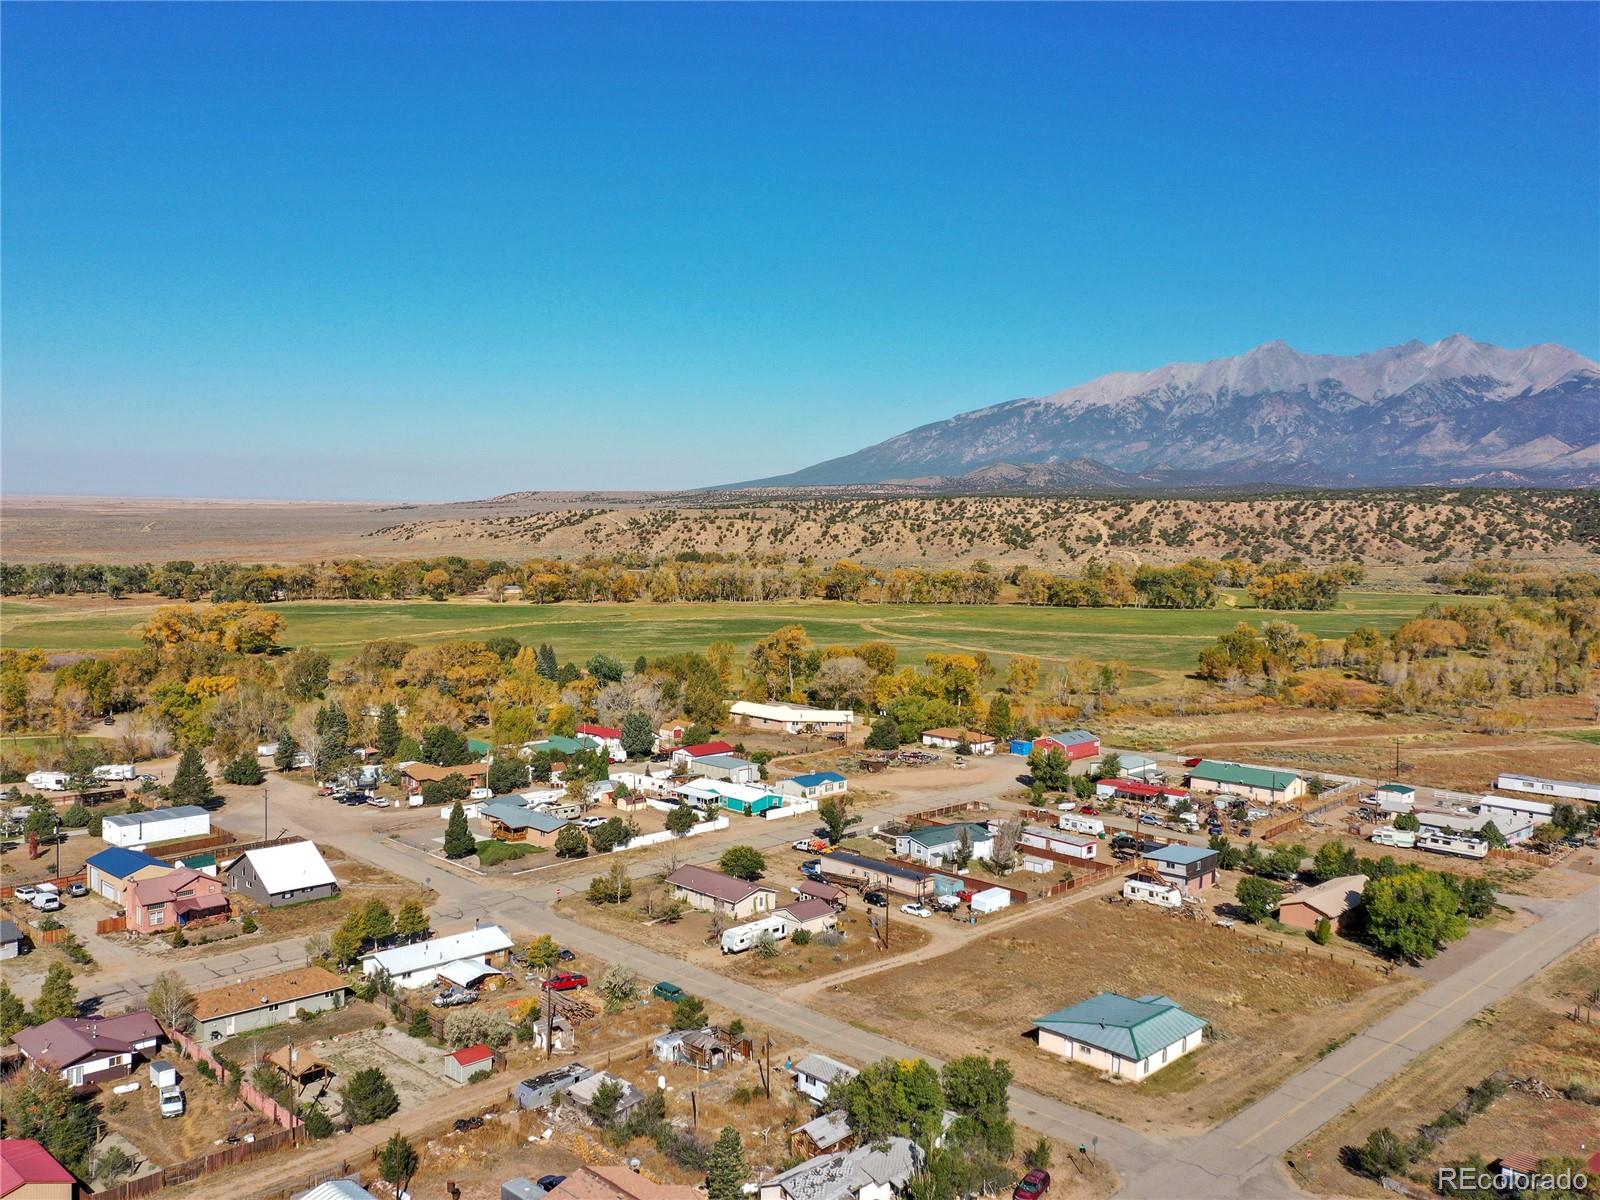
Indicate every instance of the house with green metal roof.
{"type": "Point", "coordinates": [561, 746]}
{"type": "Point", "coordinates": [1122, 1036]}
{"type": "Point", "coordinates": [934, 844]}
{"type": "Point", "coordinates": [1261, 784]}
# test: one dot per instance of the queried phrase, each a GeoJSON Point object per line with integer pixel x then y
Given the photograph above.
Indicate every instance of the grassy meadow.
{"type": "Point", "coordinates": [1149, 640]}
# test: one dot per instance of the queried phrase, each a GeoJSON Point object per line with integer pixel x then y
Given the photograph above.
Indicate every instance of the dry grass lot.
{"type": "Point", "coordinates": [690, 938]}
{"type": "Point", "coordinates": [359, 882]}
{"type": "Point", "coordinates": [208, 1117]}
{"type": "Point", "coordinates": [1526, 1034]}
{"type": "Point", "coordinates": [1446, 754]}
{"type": "Point", "coordinates": [1272, 1008]}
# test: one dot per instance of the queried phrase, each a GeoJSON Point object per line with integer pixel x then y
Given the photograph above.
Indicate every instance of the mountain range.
{"type": "Point", "coordinates": [1454, 412]}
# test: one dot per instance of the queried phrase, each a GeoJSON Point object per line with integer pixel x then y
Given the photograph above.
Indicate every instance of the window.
{"type": "Point", "coordinates": [158, 916]}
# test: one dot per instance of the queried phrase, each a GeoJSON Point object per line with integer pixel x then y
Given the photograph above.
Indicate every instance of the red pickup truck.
{"type": "Point", "coordinates": [566, 981]}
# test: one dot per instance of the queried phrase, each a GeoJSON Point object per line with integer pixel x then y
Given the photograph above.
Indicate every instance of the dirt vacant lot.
{"type": "Point", "coordinates": [1272, 1009]}
{"type": "Point", "coordinates": [1528, 1034]}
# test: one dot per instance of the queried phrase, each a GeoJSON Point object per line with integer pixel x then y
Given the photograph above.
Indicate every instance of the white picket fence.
{"type": "Point", "coordinates": [655, 839]}
{"type": "Point", "coordinates": [791, 808]}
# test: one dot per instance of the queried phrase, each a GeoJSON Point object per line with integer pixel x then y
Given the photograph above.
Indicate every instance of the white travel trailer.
{"type": "Point", "coordinates": [1404, 839]}
{"type": "Point", "coordinates": [1149, 889]}
{"type": "Point", "coordinates": [1077, 823]}
{"type": "Point", "coordinates": [47, 781]}
{"type": "Point", "coordinates": [113, 772]}
{"type": "Point", "coordinates": [743, 937]}
{"type": "Point", "coordinates": [1449, 843]}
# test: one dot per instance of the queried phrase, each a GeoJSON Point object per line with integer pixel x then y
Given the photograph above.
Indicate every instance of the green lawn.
{"type": "Point", "coordinates": [1152, 639]}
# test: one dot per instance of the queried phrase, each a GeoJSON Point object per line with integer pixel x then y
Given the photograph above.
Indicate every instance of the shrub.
{"type": "Point", "coordinates": [318, 1123]}
{"type": "Point", "coordinates": [1323, 933]}
{"type": "Point", "coordinates": [179, 941]}
{"type": "Point", "coordinates": [77, 817]}
{"type": "Point", "coordinates": [801, 937]}
{"type": "Point", "coordinates": [248, 925]}
{"type": "Point", "coordinates": [472, 1025]}
{"type": "Point", "coordinates": [1383, 1153]}
{"type": "Point", "coordinates": [420, 1027]}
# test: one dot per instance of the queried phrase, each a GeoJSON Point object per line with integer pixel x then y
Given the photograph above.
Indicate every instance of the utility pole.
{"type": "Point", "coordinates": [265, 822]}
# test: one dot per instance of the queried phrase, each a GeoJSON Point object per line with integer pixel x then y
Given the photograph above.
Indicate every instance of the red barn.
{"type": "Point", "coordinates": [1074, 743]}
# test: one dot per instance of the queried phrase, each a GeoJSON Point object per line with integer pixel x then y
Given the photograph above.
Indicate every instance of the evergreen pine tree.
{"type": "Point", "coordinates": [545, 664]}
{"type": "Point", "coordinates": [244, 771]}
{"type": "Point", "coordinates": [13, 1013]}
{"type": "Point", "coordinates": [58, 997]}
{"type": "Point", "coordinates": [726, 1171]}
{"type": "Point", "coordinates": [283, 758]}
{"type": "Point", "coordinates": [638, 738]}
{"type": "Point", "coordinates": [389, 734]}
{"type": "Point", "coordinates": [397, 1162]}
{"type": "Point", "coordinates": [458, 840]}
{"type": "Point", "coordinates": [190, 783]}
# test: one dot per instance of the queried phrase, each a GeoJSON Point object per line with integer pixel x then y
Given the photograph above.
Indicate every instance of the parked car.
{"type": "Point", "coordinates": [1033, 1185]}
{"type": "Point", "coordinates": [591, 822]}
{"type": "Point", "coordinates": [148, 779]}
{"type": "Point", "coordinates": [948, 902]}
{"type": "Point", "coordinates": [1148, 819]}
{"type": "Point", "coordinates": [453, 997]}
{"type": "Point", "coordinates": [566, 955]}
{"type": "Point", "coordinates": [566, 981]}
{"type": "Point", "coordinates": [670, 992]}
{"type": "Point", "coordinates": [110, 720]}
{"type": "Point", "coordinates": [916, 910]}
{"type": "Point", "coordinates": [876, 899]}
{"type": "Point", "coordinates": [378, 801]}
{"type": "Point", "coordinates": [172, 1101]}
{"type": "Point", "coordinates": [26, 891]}
{"type": "Point", "coordinates": [551, 1182]}
{"type": "Point", "coordinates": [46, 902]}
{"type": "Point", "coordinates": [77, 888]}
{"type": "Point", "coordinates": [1089, 810]}
{"type": "Point", "coordinates": [351, 798]}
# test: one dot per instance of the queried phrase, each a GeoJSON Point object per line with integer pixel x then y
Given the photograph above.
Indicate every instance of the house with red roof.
{"type": "Point", "coordinates": [607, 736]}
{"type": "Point", "coordinates": [30, 1172]}
{"type": "Point", "coordinates": [84, 1050]}
{"type": "Point", "coordinates": [684, 755]}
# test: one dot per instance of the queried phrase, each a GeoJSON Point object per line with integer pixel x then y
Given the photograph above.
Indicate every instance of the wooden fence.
{"type": "Point", "coordinates": [112, 925]}
{"type": "Point", "coordinates": [262, 1103]}
{"type": "Point", "coordinates": [42, 937]}
{"type": "Point", "coordinates": [207, 1164]}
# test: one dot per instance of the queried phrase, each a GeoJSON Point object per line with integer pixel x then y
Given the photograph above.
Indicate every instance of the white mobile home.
{"type": "Point", "coordinates": [1562, 789]}
{"type": "Point", "coordinates": [132, 830]}
{"type": "Point", "coordinates": [421, 963]}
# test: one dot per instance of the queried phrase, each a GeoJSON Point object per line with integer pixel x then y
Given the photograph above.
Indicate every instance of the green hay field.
{"type": "Point", "coordinates": [1153, 640]}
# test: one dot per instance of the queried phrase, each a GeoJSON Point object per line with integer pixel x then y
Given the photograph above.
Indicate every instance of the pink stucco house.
{"type": "Point", "coordinates": [173, 901]}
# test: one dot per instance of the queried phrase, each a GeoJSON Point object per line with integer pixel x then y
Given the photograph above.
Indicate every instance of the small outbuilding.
{"type": "Point", "coordinates": [461, 1065]}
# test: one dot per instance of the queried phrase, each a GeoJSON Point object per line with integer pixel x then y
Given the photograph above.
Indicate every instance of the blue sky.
{"type": "Point", "coordinates": [442, 252]}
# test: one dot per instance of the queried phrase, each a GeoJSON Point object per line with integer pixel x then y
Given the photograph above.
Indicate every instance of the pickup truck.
{"type": "Point", "coordinates": [566, 981]}
{"type": "Point", "coordinates": [172, 1101]}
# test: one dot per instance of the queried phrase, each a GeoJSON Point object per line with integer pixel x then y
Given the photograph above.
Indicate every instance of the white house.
{"type": "Point", "coordinates": [132, 830]}
{"type": "Point", "coordinates": [1059, 841]}
{"type": "Point", "coordinates": [421, 963]}
{"type": "Point", "coordinates": [792, 718]}
{"type": "Point", "coordinates": [951, 738]}
{"type": "Point", "coordinates": [1112, 1033]}
{"type": "Point", "coordinates": [1504, 807]}
{"type": "Point", "coordinates": [610, 739]}
{"type": "Point", "coordinates": [1515, 826]}
{"type": "Point", "coordinates": [935, 844]}
{"type": "Point", "coordinates": [818, 785]}
{"type": "Point", "coordinates": [814, 1075]}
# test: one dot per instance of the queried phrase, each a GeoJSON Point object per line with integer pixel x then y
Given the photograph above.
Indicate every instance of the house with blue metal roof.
{"type": "Point", "coordinates": [818, 785]}
{"type": "Point", "coordinates": [1130, 1038]}
{"type": "Point", "coordinates": [1187, 868]}
{"type": "Point", "coordinates": [109, 871]}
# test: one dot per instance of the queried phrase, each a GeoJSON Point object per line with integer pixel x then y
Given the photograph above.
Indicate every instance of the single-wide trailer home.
{"type": "Point", "coordinates": [1129, 1038]}
{"type": "Point", "coordinates": [869, 874]}
{"type": "Point", "coordinates": [1260, 785]}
